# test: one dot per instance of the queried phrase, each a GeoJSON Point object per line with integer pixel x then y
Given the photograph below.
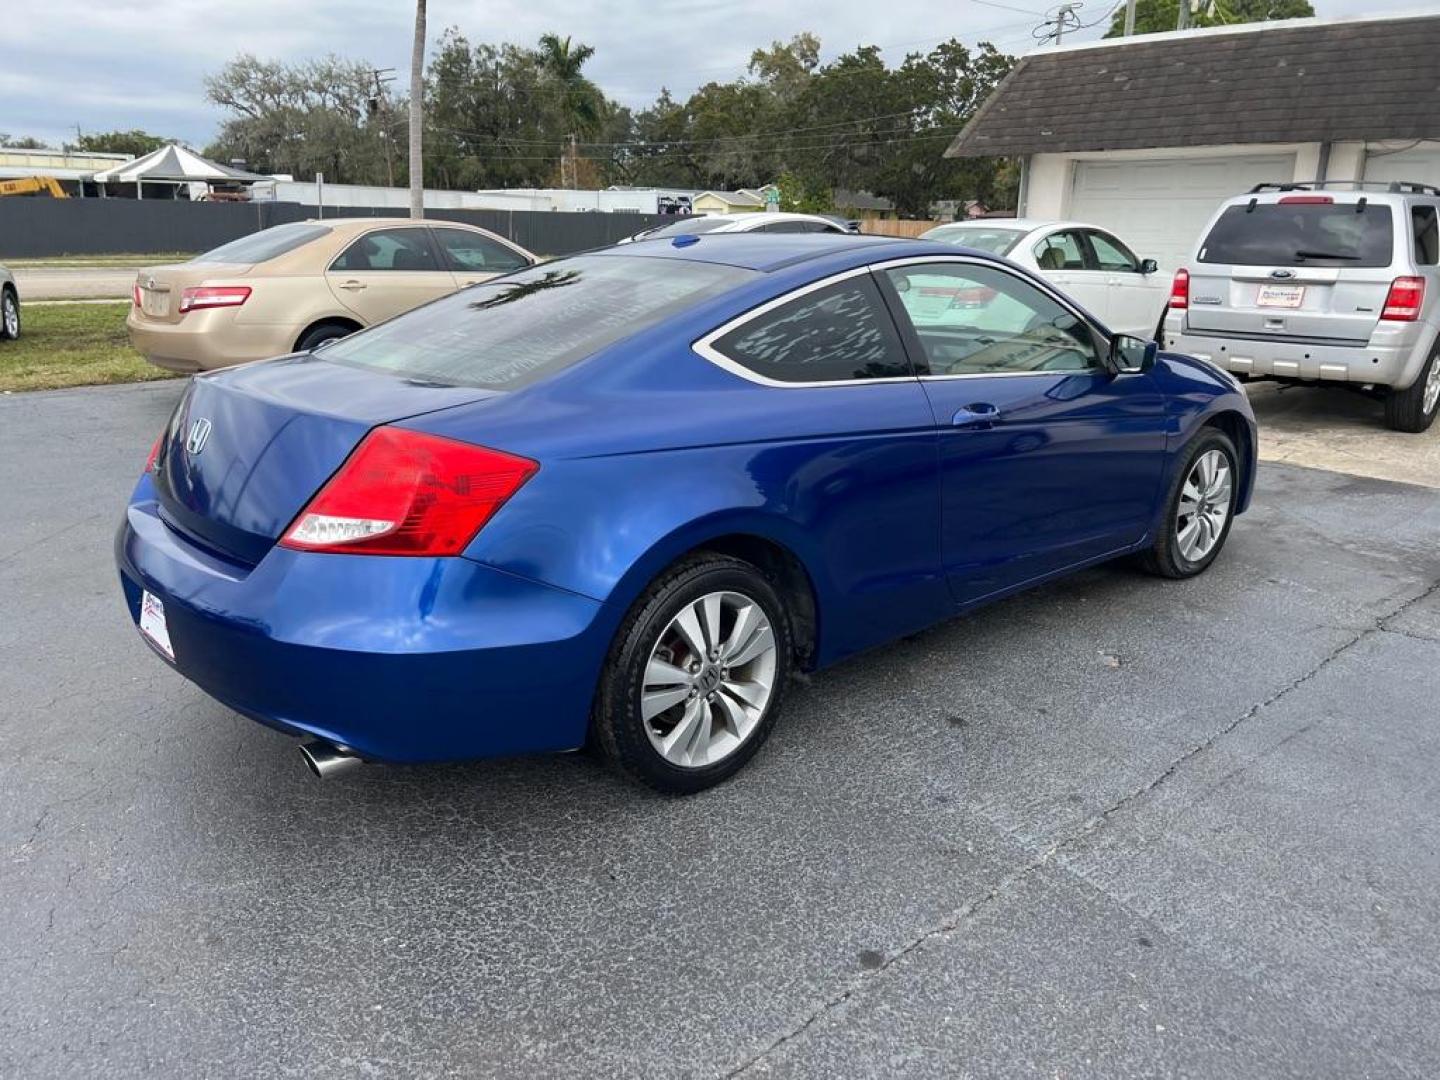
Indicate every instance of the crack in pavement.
{"type": "Point", "coordinates": [1097, 821]}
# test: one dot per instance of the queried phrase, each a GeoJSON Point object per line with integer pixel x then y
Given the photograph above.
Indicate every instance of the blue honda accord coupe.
{"type": "Point", "coordinates": [622, 498]}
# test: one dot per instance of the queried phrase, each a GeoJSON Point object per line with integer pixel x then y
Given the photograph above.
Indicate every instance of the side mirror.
{"type": "Point", "coordinates": [1131, 355]}
{"type": "Point", "coordinates": [1148, 266]}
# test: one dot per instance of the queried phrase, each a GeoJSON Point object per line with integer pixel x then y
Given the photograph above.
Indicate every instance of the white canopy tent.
{"type": "Point", "coordinates": [176, 166]}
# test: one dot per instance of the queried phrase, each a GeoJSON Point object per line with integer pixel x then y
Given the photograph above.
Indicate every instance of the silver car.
{"type": "Point", "coordinates": [9, 306]}
{"type": "Point", "coordinates": [1319, 283]}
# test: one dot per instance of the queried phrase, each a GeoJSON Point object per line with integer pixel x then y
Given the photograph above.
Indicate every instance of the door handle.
{"type": "Point", "coordinates": [978, 414]}
{"type": "Point", "coordinates": [352, 286]}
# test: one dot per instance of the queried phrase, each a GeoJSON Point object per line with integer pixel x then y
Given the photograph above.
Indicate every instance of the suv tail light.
{"type": "Point", "coordinates": [1180, 290]}
{"type": "Point", "coordinates": [208, 296]}
{"type": "Point", "coordinates": [135, 294]}
{"type": "Point", "coordinates": [407, 493]}
{"type": "Point", "coordinates": [1404, 300]}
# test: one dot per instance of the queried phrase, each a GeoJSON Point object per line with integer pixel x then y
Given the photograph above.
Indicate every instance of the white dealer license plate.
{"type": "Point", "coordinates": [152, 623]}
{"type": "Point", "coordinates": [155, 303]}
{"type": "Point", "coordinates": [1291, 296]}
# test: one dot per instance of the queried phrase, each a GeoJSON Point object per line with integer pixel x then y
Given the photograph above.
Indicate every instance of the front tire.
{"type": "Point", "coordinates": [695, 679]}
{"type": "Point", "coordinates": [1414, 409]}
{"type": "Point", "coordinates": [1199, 508]}
{"type": "Point", "coordinates": [9, 314]}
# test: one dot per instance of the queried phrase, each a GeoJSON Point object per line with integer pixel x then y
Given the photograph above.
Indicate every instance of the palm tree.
{"type": "Point", "coordinates": [563, 62]}
{"type": "Point", "coordinates": [417, 113]}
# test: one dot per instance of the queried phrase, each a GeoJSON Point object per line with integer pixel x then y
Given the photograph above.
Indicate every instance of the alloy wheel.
{"type": "Point", "coordinates": [709, 679]}
{"type": "Point", "coordinates": [11, 316]}
{"type": "Point", "coordinates": [1204, 505]}
{"type": "Point", "coordinates": [1432, 388]}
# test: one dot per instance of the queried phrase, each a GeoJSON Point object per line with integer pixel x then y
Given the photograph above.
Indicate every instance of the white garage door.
{"type": "Point", "coordinates": [1160, 206]}
{"type": "Point", "coordinates": [1418, 163]}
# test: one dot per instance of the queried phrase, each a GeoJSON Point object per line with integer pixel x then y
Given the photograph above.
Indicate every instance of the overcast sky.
{"type": "Point", "coordinates": [141, 63]}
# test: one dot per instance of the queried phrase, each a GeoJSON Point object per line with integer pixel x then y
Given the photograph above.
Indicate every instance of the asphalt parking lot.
{"type": "Point", "coordinates": [1115, 828]}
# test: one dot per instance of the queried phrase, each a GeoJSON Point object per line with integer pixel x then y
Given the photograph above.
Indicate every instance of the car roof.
{"type": "Point", "coordinates": [360, 224]}
{"type": "Point", "coordinates": [767, 252]}
{"type": "Point", "coordinates": [1021, 224]}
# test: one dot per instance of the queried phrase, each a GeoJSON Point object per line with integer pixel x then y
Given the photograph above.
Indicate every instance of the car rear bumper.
{"type": "Point", "coordinates": [207, 339]}
{"type": "Point", "coordinates": [1389, 359]}
{"type": "Point", "coordinates": [399, 659]}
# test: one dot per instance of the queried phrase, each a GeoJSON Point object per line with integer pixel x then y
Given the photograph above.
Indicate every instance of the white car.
{"type": "Point", "coordinates": [1090, 264]}
{"type": "Point", "coordinates": [747, 222]}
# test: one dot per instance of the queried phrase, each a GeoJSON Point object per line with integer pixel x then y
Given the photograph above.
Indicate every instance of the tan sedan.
{"type": "Point", "coordinates": [294, 287]}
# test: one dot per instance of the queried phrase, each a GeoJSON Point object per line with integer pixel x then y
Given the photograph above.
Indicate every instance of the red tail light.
{"type": "Point", "coordinates": [1403, 303]}
{"type": "Point", "coordinates": [1180, 290]}
{"type": "Point", "coordinates": [1306, 200]}
{"type": "Point", "coordinates": [406, 493]}
{"type": "Point", "coordinates": [154, 452]}
{"type": "Point", "coordinates": [135, 294]}
{"type": "Point", "coordinates": [208, 296]}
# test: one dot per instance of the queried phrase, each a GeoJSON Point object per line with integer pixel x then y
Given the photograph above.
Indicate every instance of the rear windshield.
{"type": "Point", "coordinates": [995, 241]}
{"type": "Point", "coordinates": [1302, 234]}
{"type": "Point", "coordinates": [689, 226]}
{"type": "Point", "coordinates": [265, 244]}
{"type": "Point", "coordinates": [515, 331]}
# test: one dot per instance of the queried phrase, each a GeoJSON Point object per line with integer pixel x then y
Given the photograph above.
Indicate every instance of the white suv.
{"type": "Point", "coordinates": [1307, 283]}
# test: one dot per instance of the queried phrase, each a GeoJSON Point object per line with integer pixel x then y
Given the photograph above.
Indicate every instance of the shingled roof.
{"type": "Point", "coordinates": [1297, 81]}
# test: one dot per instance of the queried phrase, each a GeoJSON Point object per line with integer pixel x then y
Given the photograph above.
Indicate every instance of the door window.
{"type": "Point", "coordinates": [1111, 254]}
{"type": "Point", "coordinates": [839, 333]}
{"type": "Point", "coordinates": [470, 253]}
{"type": "Point", "coordinates": [1061, 251]}
{"type": "Point", "coordinates": [388, 249]}
{"type": "Point", "coordinates": [975, 320]}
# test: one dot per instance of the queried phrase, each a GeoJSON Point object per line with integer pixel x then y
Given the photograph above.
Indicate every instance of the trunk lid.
{"type": "Point", "coordinates": [1320, 303]}
{"type": "Point", "coordinates": [248, 447]}
{"type": "Point", "coordinates": [160, 287]}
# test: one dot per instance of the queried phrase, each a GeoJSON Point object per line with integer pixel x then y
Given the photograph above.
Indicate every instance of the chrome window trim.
{"type": "Point", "coordinates": [705, 346]}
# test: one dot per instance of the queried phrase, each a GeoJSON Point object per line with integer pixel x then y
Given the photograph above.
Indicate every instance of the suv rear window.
{"type": "Point", "coordinates": [509, 333]}
{"type": "Point", "coordinates": [1302, 234]}
{"type": "Point", "coordinates": [265, 244]}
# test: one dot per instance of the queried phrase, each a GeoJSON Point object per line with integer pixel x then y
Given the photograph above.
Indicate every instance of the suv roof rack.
{"type": "Point", "coordinates": [1394, 187]}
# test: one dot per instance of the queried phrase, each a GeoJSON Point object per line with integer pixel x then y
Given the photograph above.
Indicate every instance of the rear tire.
{"type": "Point", "coordinates": [1192, 530]}
{"type": "Point", "coordinates": [1414, 409]}
{"type": "Point", "coordinates": [321, 333]}
{"type": "Point", "coordinates": [9, 314]}
{"type": "Point", "coordinates": [721, 714]}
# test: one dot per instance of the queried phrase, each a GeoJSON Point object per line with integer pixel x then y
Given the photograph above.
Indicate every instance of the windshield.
{"type": "Point", "coordinates": [1302, 234]}
{"type": "Point", "coordinates": [981, 237]}
{"type": "Point", "coordinates": [689, 226]}
{"type": "Point", "coordinates": [265, 244]}
{"type": "Point", "coordinates": [515, 331]}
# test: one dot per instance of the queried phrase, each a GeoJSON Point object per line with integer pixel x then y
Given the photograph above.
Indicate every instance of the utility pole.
{"type": "Point", "coordinates": [417, 114]}
{"type": "Point", "coordinates": [574, 165]}
{"type": "Point", "coordinates": [380, 109]}
{"type": "Point", "coordinates": [1065, 19]}
{"type": "Point", "coordinates": [1130, 18]}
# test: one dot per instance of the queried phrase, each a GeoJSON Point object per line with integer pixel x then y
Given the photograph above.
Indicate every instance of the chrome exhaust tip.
{"type": "Point", "coordinates": [326, 760]}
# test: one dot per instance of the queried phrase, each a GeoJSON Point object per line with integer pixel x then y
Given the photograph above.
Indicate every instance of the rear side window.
{"type": "Point", "coordinates": [515, 331]}
{"type": "Point", "coordinates": [1302, 234]}
{"type": "Point", "coordinates": [265, 244]}
{"type": "Point", "coordinates": [1060, 251]}
{"type": "Point", "coordinates": [388, 249]}
{"type": "Point", "coordinates": [1427, 235]}
{"type": "Point", "coordinates": [690, 226]}
{"type": "Point", "coordinates": [840, 333]}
